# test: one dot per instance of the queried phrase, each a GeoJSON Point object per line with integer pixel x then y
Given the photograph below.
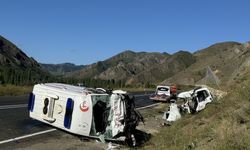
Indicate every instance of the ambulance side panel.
{"type": "Point", "coordinates": [62, 109]}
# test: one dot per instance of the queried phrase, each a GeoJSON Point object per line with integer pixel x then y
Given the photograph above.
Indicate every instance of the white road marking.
{"type": "Point", "coordinates": [140, 108]}
{"type": "Point", "coordinates": [26, 136]}
{"type": "Point", "coordinates": [140, 95]}
{"type": "Point", "coordinates": [13, 106]}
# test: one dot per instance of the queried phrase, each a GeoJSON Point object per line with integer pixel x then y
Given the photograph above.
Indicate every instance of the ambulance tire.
{"type": "Point", "coordinates": [131, 141]}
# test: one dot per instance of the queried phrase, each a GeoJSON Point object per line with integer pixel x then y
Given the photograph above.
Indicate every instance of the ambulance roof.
{"type": "Point", "coordinates": [70, 88]}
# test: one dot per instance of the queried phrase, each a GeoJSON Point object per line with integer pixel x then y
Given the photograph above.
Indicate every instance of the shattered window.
{"type": "Point", "coordinates": [163, 89]}
{"type": "Point", "coordinates": [205, 94]}
{"type": "Point", "coordinates": [96, 98]}
{"type": "Point", "coordinates": [202, 95]}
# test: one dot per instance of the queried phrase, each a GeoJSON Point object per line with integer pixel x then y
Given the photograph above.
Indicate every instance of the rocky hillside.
{"type": "Point", "coordinates": [16, 67]}
{"type": "Point", "coordinates": [138, 68]}
{"type": "Point", "coordinates": [229, 61]}
{"type": "Point", "coordinates": [12, 56]}
{"type": "Point", "coordinates": [61, 69]}
{"type": "Point", "coordinates": [167, 68]}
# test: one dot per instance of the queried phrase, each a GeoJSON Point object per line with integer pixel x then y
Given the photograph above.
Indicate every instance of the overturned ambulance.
{"type": "Point", "coordinates": [85, 111]}
{"type": "Point", "coordinates": [194, 101]}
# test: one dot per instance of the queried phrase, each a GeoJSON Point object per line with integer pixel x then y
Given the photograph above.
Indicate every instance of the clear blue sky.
{"type": "Point", "coordinates": [85, 31]}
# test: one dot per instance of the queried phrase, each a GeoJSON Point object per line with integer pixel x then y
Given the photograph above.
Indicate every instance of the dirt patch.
{"type": "Point", "coordinates": [153, 119]}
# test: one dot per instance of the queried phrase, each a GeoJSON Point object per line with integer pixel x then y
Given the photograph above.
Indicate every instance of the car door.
{"type": "Point", "coordinates": [202, 98]}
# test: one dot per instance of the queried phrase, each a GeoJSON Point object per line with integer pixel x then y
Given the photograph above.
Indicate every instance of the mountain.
{"type": "Point", "coordinates": [61, 69]}
{"type": "Point", "coordinates": [167, 68]}
{"type": "Point", "coordinates": [229, 62]}
{"type": "Point", "coordinates": [138, 67]}
{"type": "Point", "coordinates": [12, 56]}
{"type": "Point", "coordinates": [16, 67]}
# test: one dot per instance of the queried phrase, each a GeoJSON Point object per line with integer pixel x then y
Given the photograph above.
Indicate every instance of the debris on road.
{"type": "Point", "coordinates": [112, 146]}
{"type": "Point", "coordinates": [172, 114]}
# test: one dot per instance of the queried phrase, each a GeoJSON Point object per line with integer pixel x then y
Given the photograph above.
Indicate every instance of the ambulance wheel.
{"type": "Point", "coordinates": [131, 141]}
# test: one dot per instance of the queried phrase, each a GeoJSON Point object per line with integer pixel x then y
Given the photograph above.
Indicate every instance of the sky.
{"type": "Point", "coordinates": [86, 31]}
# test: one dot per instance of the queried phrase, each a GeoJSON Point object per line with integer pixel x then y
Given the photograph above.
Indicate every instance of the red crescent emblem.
{"type": "Point", "coordinates": [83, 107]}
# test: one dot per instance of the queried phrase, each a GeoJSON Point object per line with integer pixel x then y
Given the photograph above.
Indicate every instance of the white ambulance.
{"type": "Point", "coordinates": [85, 111]}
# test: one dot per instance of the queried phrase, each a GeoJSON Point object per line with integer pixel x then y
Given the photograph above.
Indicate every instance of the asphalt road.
{"type": "Point", "coordinates": [13, 100]}
{"type": "Point", "coordinates": [15, 121]}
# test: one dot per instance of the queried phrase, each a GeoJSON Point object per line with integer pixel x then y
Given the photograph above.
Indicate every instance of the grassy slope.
{"type": "Point", "coordinates": [12, 90]}
{"type": "Point", "coordinates": [224, 124]}
{"type": "Point", "coordinates": [222, 58]}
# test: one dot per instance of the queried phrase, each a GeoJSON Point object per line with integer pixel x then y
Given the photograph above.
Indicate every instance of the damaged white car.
{"type": "Point", "coordinates": [194, 101]}
{"type": "Point", "coordinates": [164, 93]}
{"type": "Point", "coordinates": [85, 111]}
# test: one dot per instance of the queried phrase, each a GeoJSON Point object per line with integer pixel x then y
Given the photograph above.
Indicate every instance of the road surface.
{"type": "Point", "coordinates": [15, 121]}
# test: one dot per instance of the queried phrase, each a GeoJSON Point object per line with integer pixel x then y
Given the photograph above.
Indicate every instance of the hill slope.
{"type": "Point", "coordinates": [138, 68]}
{"type": "Point", "coordinates": [228, 61]}
{"type": "Point", "coordinates": [16, 67]}
{"type": "Point", "coordinates": [223, 124]}
{"type": "Point", "coordinates": [12, 56]}
{"type": "Point", "coordinates": [61, 69]}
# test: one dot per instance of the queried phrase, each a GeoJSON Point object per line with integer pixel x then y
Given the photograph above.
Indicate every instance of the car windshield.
{"type": "Point", "coordinates": [163, 89]}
